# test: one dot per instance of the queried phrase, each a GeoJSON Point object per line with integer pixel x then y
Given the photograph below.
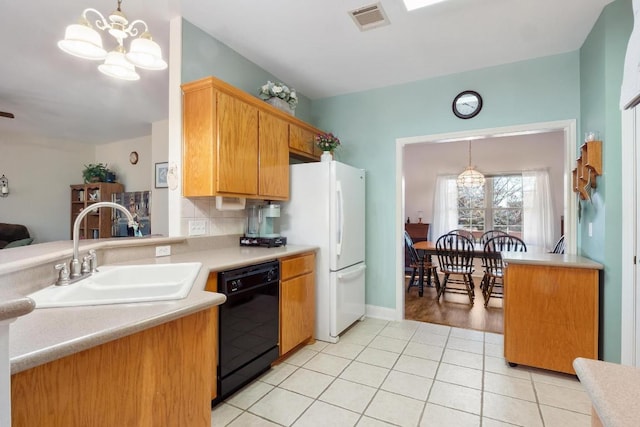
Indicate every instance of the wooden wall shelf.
{"type": "Point", "coordinates": [588, 168]}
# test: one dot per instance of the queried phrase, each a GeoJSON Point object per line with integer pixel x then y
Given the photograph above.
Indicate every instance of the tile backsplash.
{"type": "Point", "coordinates": [218, 223]}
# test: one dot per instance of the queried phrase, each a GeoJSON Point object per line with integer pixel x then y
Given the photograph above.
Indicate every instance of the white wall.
{"type": "Point", "coordinates": [159, 196]}
{"type": "Point", "coordinates": [40, 171]}
{"type": "Point", "coordinates": [423, 162]}
{"type": "Point", "coordinates": [116, 156]}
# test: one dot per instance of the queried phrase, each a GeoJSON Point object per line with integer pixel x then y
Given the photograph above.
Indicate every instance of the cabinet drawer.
{"type": "Point", "coordinates": [295, 266]}
{"type": "Point", "coordinates": [301, 139]}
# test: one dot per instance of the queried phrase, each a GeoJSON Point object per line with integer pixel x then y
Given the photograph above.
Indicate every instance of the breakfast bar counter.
{"type": "Point", "coordinates": [51, 333]}
{"type": "Point", "coordinates": [142, 363]}
{"type": "Point", "coordinates": [613, 390]}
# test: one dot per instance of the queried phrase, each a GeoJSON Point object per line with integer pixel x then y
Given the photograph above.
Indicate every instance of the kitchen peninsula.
{"type": "Point", "coordinates": [551, 309]}
{"type": "Point", "coordinates": [119, 364]}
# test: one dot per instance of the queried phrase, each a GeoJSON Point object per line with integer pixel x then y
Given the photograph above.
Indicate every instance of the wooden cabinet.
{"type": "Point", "coordinates": [157, 377]}
{"type": "Point", "coordinates": [99, 224]}
{"type": "Point", "coordinates": [237, 153]}
{"type": "Point", "coordinates": [273, 179]}
{"type": "Point", "coordinates": [302, 141]}
{"type": "Point", "coordinates": [235, 144]}
{"type": "Point", "coordinates": [220, 143]}
{"type": "Point", "coordinates": [550, 315]}
{"type": "Point", "coordinates": [212, 286]}
{"type": "Point", "coordinates": [297, 301]}
{"type": "Point", "coordinates": [231, 147]}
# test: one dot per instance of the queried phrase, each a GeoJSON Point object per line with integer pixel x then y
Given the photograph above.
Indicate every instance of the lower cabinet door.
{"type": "Point", "coordinates": [297, 311]}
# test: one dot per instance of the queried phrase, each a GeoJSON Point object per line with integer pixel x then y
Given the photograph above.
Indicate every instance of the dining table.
{"type": "Point", "coordinates": [426, 249]}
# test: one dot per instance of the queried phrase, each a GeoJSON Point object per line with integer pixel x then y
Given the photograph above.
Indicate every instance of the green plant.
{"type": "Point", "coordinates": [95, 172]}
{"type": "Point", "coordinates": [327, 141]}
{"type": "Point", "coordinates": [279, 90]}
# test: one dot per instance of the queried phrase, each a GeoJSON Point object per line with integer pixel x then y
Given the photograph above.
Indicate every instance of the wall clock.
{"type": "Point", "coordinates": [467, 104]}
{"type": "Point", "coordinates": [133, 157]}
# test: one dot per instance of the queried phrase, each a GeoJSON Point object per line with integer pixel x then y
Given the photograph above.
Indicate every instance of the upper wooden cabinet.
{"type": "Point", "coordinates": [273, 182]}
{"type": "Point", "coordinates": [220, 143]}
{"type": "Point", "coordinates": [302, 141]}
{"type": "Point", "coordinates": [235, 144]}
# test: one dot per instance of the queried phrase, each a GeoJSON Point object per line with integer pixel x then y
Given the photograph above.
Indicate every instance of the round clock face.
{"type": "Point", "coordinates": [467, 104]}
{"type": "Point", "coordinates": [133, 157]}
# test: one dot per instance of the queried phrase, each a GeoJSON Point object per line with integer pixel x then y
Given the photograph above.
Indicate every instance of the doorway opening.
{"type": "Point", "coordinates": [491, 320]}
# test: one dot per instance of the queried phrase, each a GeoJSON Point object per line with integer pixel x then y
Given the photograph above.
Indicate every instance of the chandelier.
{"type": "Point", "coordinates": [83, 41]}
{"type": "Point", "coordinates": [470, 177]}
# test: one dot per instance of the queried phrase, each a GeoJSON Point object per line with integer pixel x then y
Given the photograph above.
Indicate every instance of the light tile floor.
{"type": "Point", "coordinates": [406, 374]}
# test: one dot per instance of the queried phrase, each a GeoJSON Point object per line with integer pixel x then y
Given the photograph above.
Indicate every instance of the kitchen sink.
{"type": "Point", "coordinates": [123, 284]}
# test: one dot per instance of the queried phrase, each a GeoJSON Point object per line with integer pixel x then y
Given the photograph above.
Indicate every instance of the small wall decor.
{"type": "Point", "coordinates": [4, 186]}
{"type": "Point", "coordinates": [588, 168]}
{"type": "Point", "coordinates": [161, 175]}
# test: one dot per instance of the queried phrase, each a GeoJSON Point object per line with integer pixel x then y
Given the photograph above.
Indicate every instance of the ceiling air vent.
{"type": "Point", "coordinates": [369, 17]}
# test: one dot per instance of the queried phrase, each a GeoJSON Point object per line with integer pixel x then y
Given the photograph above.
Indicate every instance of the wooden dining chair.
{"type": "Point", "coordinates": [490, 235]}
{"type": "Point", "coordinates": [493, 279]}
{"type": "Point", "coordinates": [419, 264]}
{"type": "Point", "coordinates": [465, 233]}
{"type": "Point", "coordinates": [559, 248]}
{"type": "Point", "coordinates": [486, 236]}
{"type": "Point", "coordinates": [455, 257]}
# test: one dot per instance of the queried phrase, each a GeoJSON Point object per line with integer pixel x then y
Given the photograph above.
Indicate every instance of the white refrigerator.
{"type": "Point", "coordinates": [326, 209]}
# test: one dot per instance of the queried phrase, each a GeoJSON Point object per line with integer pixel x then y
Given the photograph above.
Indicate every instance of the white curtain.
{"type": "Point", "coordinates": [445, 206]}
{"type": "Point", "coordinates": [537, 207]}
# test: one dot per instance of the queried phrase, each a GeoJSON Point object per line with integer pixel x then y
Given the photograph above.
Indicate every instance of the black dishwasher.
{"type": "Point", "coordinates": [248, 325]}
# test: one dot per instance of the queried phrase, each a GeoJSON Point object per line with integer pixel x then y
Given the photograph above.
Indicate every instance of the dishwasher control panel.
{"type": "Point", "coordinates": [244, 278]}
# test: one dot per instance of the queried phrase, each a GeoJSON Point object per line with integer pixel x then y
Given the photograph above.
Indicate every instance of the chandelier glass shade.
{"type": "Point", "coordinates": [84, 41]}
{"type": "Point", "coordinates": [470, 177]}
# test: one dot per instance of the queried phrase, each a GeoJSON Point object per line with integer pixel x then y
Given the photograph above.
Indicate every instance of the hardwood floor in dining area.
{"type": "Point", "coordinates": [454, 310]}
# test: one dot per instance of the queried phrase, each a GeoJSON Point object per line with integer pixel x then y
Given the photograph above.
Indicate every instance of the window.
{"type": "Point", "coordinates": [497, 205]}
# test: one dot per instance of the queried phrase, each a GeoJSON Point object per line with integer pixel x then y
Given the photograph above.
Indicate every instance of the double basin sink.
{"type": "Point", "coordinates": [123, 284]}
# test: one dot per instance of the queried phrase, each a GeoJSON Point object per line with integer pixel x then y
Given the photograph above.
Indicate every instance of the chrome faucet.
{"type": "Point", "coordinates": [76, 269]}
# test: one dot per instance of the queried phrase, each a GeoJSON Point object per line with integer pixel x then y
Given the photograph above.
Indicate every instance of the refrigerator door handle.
{"type": "Point", "coordinates": [340, 213]}
{"type": "Point", "coordinates": [353, 273]}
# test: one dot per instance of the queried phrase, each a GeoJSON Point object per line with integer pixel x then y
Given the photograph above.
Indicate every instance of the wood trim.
{"type": "Point", "coordinates": [212, 286]}
{"type": "Point", "coordinates": [595, 419]}
{"type": "Point", "coordinates": [157, 377]}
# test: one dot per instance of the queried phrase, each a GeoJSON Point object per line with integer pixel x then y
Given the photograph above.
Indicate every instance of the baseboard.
{"type": "Point", "coordinates": [378, 312]}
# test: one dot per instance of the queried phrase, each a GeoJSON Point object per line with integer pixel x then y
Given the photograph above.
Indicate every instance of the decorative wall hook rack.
{"type": "Point", "coordinates": [588, 168]}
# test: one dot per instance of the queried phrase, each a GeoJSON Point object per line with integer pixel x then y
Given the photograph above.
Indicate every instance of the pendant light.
{"type": "Point", "coordinates": [470, 177]}
{"type": "Point", "coordinates": [84, 41]}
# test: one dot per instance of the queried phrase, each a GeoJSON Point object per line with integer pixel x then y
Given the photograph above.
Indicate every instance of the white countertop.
{"type": "Point", "coordinates": [613, 389]}
{"type": "Point", "coordinates": [548, 259]}
{"type": "Point", "coordinates": [51, 333]}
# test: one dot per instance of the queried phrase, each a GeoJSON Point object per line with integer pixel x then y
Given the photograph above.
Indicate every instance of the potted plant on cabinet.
{"type": "Point", "coordinates": [95, 172]}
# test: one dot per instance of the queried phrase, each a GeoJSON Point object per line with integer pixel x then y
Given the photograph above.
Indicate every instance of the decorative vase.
{"type": "Point", "coordinates": [326, 156]}
{"type": "Point", "coordinates": [281, 104]}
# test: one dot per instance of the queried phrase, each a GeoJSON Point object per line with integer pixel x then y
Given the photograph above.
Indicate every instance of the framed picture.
{"type": "Point", "coordinates": [161, 175]}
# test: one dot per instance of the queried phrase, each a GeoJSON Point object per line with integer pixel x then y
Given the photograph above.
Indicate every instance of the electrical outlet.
{"type": "Point", "coordinates": [163, 250]}
{"type": "Point", "coordinates": [590, 229]}
{"type": "Point", "coordinates": [197, 228]}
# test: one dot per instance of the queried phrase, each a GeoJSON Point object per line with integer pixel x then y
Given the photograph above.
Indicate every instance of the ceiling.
{"type": "Point", "coordinates": [311, 45]}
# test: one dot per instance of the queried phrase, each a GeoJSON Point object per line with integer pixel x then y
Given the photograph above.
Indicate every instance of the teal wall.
{"type": "Point", "coordinates": [368, 123]}
{"type": "Point", "coordinates": [601, 65]}
{"type": "Point", "coordinates": [203, 56]}
{"type": "Point", "coordinates": [582, 85]}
